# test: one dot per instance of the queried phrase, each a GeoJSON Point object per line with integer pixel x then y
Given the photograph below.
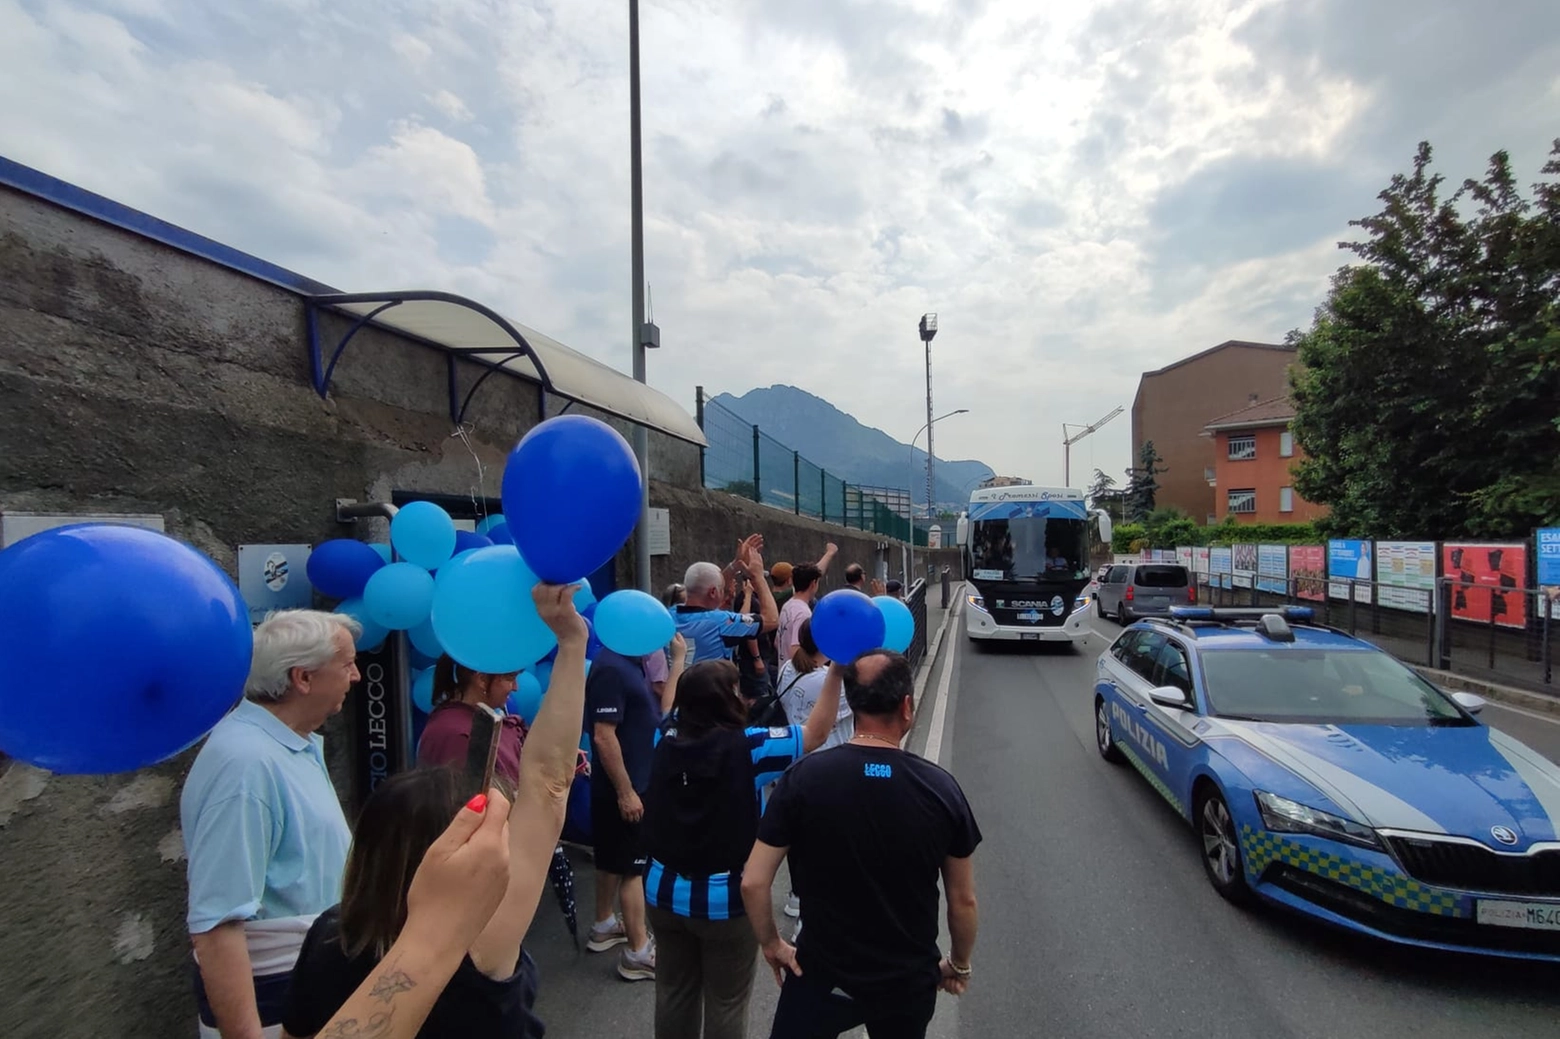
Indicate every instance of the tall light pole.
{"type": "Point", "coordinates": [643, 335]}
{"type": "Point", "coordinates": [928, 331]}
{"type": "Point", "coordinates": [927, 429]}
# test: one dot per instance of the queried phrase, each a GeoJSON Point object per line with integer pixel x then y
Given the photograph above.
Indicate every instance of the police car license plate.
{"type": "Point", "coordinates": [1033, 636]}
{"type": "Point", "coordinates": [1540, 916]}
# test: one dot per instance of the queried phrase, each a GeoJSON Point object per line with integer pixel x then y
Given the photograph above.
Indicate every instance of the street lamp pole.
{"type": "Point", "coordinates": [927, 430]}
{"type": "Point", "coordinates": [643, 335]}
{"type": "Point", "coordinates": [928, 332]}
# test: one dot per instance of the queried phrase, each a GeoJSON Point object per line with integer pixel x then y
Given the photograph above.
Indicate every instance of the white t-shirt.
{"type": "Point", "coordinates": [793, 615]}
{"type": "Point", "coordinates": [798, 695]}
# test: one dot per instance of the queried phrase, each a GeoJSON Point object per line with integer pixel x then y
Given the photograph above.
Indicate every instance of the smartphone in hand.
{"type": "Point", "coordinates": [481, 753]}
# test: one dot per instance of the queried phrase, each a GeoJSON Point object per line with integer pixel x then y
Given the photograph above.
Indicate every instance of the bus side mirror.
{"type": "Point", "coordinates": [1106, 528]}
{"type": "Point", "coordinates": [962, 531]}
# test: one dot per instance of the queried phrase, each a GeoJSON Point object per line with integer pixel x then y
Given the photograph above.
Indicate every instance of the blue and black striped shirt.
{"type": "Point", "coordinates": [719, 897]}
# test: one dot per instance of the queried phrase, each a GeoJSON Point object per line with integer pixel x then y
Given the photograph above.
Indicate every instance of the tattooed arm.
{"type": "Point", "coordinates": [397, 997]}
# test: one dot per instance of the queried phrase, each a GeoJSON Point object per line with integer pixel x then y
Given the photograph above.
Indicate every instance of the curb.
{"type": "Point", "coordinates": [929, 662]}
{"type": "Point", "coordinates": [1494, 692]}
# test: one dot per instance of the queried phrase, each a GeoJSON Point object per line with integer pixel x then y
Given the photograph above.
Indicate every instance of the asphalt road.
{"type": "Point", "coordinates": [1096, 919]}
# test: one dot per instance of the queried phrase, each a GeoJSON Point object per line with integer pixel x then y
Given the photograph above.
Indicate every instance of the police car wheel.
{"type": "Point", "coordinates": [1221, 857]}
{"type": "Point", "coordinates": [1102, 737]}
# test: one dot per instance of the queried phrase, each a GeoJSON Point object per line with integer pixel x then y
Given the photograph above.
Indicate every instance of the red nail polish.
{"type": "Point", "coordinates": [478, 803]}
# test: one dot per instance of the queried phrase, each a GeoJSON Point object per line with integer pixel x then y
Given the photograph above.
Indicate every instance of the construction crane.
{"type": "Point", "coordinates": [1069, 441]}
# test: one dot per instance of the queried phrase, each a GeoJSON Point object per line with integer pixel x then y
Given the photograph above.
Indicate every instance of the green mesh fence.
{"type": "Point", "coordinates": [748, 462]}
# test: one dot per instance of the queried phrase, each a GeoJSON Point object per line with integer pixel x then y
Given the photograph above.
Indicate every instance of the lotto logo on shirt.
{"type": "Point", "coordinates": [879, 770]}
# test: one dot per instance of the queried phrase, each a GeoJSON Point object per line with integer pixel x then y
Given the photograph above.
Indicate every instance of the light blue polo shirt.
{"type": "Point", "coordinates": [263, 830]}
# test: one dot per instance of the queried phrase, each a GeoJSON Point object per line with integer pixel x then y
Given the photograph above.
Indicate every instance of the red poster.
{"type": "Point", "coordinates": [1487, 579]}
{"type": "Point", "coordinates": [1308, 570]}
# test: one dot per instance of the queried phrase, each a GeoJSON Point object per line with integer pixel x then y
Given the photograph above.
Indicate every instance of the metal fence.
{"type": "Point", "coordinates": [742, 459]}
{"type": "Point", "coordinates": [916, 600]}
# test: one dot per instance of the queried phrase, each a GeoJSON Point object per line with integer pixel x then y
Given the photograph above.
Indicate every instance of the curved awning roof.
{"type": "Point", "coordinates": [471, 331]}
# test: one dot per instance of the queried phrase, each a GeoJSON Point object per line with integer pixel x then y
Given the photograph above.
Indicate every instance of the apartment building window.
{"type": "Point", "coordinates": [1243, 449]}
{"type": "Point", "coordinates": [1242, 501]}
{"type": "Point", "coordinates": [1286, 444]}
{"type": "Point", "coordinates": [1286, 499]}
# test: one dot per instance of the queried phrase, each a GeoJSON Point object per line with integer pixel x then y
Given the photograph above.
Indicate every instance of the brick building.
{"type": "Point", "coordinates": [1174, 405]}
{"type": "Point", "coordinates": [1254, 454]}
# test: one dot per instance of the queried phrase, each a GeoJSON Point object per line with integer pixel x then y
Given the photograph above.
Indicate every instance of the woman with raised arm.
{"type": "Point", "coordinates": [493, 989]}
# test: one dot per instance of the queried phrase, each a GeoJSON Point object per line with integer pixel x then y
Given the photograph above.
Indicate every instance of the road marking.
{"type": "Point", "coordinates": [940, 716]}
{"type": "Point", "coordinates": [1535, 715]}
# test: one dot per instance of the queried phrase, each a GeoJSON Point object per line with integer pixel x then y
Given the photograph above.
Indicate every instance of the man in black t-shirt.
{"type": "Point", "coordinates": [868, 829]}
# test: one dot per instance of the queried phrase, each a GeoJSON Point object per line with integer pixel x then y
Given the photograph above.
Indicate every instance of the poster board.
{"type": "Point", "coordinates": [1273, 569]}
{"type": "Point", "coordinates": [1243, 563]}
{"type": "Point", "coordinates": [1220, 562]}
{"type": "Point", "coordinates": [1487, 581]}
{"type": "Point", "coordinates": [1349, 559]}
{"type": "Point", "coordinates": [1308, 568]}
{"type": "Point", "coordinates": [1405, 575]}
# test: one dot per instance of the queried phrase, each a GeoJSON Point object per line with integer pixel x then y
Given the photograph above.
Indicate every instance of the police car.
{"type": "Point", "coordinates": [1324, 776]}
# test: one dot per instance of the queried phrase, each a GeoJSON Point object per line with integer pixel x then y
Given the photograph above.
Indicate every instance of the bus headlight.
{"type": "Point", "coordinates": [976, 602]}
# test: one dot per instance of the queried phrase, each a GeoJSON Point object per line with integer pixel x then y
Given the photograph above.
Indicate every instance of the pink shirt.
{"type": "Point", "coordinates": [793, 615]}
{"type": "Point", "coordinates": [656, 667]}
{"type": "Point", "coordinates": [448, 732]}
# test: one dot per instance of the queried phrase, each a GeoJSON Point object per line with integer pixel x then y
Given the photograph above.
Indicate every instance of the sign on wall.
{"type": "Point", "coordinates": [273, 577]}
{"type": "Point", "coordinates": [1219, 562]}
{"type": "Point", "coordinates": [14, 526]}
{"type": "Point", "coordinates": [1272, 569]}
{"type": "Point", "coordinates": [660, 532]}
{"type": "Point", "coordinates": [1308, 567]}
{"type": "Point", "coordinates": [1243, 563]}
{"type": "Point", "coordinates": [1349, 559]}
{"type": "Point", "coordinates": [1549, 557]}
{"type": "Point", "coordinates": [1184, 557]}
{"type": "Point", "coordinates": [1486, 582]}
{"type": "Point", "coordinates": [1405, 574]}
{"type": "Point", "coordinates": [1200, 560]}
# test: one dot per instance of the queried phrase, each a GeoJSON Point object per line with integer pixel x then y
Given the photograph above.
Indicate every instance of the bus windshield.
{"type": "Point", "coordinates": [1023, 548]}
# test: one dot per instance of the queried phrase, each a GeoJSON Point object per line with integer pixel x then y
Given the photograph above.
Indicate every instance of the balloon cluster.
{"type": "Point", "coordinates": [155, 640]}
{"type": "Point", "coordinates": [847, 623]}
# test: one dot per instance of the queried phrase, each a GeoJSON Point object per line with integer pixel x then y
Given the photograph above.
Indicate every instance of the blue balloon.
{"type": "Point", "coordinates": [483, 613]}
{"type": "Point", "coordinates": [422, 690]}
{"type": "Point", "coordinates": [158, 634]}
{"type": "Point", "coordinates": [571, 494]}
{"type": "Point", "coordinates": [374, 633]}
{"type": "Point", "coordinates": [847, 623]}
{"type": "Point", "coordinates": [423, 534]}
{"type": "Point", "coordinates": [465, 541]}
{"type": "Point", "coordinates": [421, 660]}
{"type": "Point", "coordinates": [340, 568]}
{"type": "Point", "coordinates": [399, 596]}
{"type": "Point", "coordinates": [526, 700]}
{"type": "Point", "coordinates": [424, 640]}
{"type": "Point", "coordinates": [488, 522]}
{"type": "Point", "coordinates": [383, 549]}
{"type": "Point", "coordinates": [592, 641]}
{"type": "Point", "coordinates": [898, 623]}
{"type": "Point", "coordinates": [543, 675]}
{"type": "Point", "coordinates": [634, 623]}
{"type": "Point", "coordinates": [499, 534]}
{"type": "Point", "coordinates": [585, 598]}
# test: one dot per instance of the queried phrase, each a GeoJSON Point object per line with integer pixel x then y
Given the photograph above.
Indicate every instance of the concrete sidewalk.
{"type": "Point", "coordinates": [581, 994]}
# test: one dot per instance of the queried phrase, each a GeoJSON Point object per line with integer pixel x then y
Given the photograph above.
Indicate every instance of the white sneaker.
{"type": "Point", "coordinates": [607, 935]}
{"type": "Point", "coordinates": [638, 966]}
{"type": "Point", "coordinates": [793, 906]}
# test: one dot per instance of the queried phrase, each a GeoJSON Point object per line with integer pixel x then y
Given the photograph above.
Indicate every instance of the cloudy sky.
{"type": "Point", "coordinates": [1082, 191]}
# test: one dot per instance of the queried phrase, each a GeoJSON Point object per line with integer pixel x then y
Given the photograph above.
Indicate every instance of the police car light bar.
{"type": "Point", "coordinates": [1222, 613]}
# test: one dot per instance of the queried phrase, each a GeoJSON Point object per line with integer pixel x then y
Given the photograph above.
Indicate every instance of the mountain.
{"type": "Point", "coordinates": [828, 437]}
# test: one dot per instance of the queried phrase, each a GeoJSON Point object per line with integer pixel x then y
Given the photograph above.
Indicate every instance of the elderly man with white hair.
{"type": "Point", "coordinates": [264, 832]}
{"type": "Point", "coordinates": [711, 631]}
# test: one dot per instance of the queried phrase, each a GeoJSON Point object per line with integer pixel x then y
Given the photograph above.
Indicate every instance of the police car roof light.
{"type": "Point", "coordinates": [1276, 628]}
{"type": "Point", "coordinates": [1192, 613]}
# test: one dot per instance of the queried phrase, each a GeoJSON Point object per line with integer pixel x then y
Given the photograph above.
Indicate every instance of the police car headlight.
{"type": "Point", "coordinates": [1281, 815]}
{"type": "Point", "coordinates": [977, 602]}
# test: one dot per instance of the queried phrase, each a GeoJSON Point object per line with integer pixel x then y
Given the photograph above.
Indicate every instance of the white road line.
{"type": "Point", "coordinates": [1535, 715]}
{"type": "Point", "coordinates": [940, 718]}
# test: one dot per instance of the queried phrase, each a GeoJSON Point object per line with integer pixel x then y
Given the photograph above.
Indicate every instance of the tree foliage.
{"type": "Point", "coordinates": [1427, 385]}
{"type": "Point", "coordinates": [1143, 483]}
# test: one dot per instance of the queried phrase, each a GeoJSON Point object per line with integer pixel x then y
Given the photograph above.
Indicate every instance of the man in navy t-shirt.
{"type": "Point", "coordinates": [622, 715]}
{"type": "Point", "coordinates": [712, 632]}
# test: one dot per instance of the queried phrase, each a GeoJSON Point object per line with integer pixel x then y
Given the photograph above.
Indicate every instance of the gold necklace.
{"type": "Point", "coordinates": [875, 736]}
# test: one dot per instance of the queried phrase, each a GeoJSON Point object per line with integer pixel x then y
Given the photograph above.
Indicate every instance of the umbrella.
{"type": "Point", "coordinates": [561, 874]}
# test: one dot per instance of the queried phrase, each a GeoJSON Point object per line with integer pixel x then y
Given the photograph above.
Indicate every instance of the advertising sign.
{"type": "Point", "coordinates": [1549, 557]}
{"type": "Point", "coordinates": [1184, 557]}
{"type": "Point", "coordinates": [1272, 569]}
{"type": "Point", "coordinates": [1486, 582]}
{"type": "Point", "coordinates": [1200, 561]}
{"type": "Point", "coordinates": [382, 704]}
{"type": "Point", "coordinates": [1349, 559]}
{"type": "Point", "coordinates": [1308, 566]}
{"type": "Point", "coordinates": [1244, 563]}
{"type": "Point", "coordinates": [1219, 560]}
{"type": "Point", "coordinates": [1405, 574]}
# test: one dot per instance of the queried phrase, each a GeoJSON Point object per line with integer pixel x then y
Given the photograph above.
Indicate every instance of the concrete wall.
{"type": "Point", "coordinates": [135, 378]}
{"type": "Point", "coordinates": [1174, 404]}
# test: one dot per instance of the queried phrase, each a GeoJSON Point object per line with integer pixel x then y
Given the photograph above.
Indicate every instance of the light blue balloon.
{"type": "Point", "coordinates": [399, 596]}
{"type": "Point", "coordinates": [898, 623]}
{"type": "Point", "coordinates": [633, 623]}
{"type": "Point", "coordinates": [423, 534]}
{"type": "Point", "coordinates": [423, 638]}
{"type": "Point", "coordinates": [422, 690]}
{"type": "Point", "coordinates": [383, 550]}
{"type": "Point", "coordinates": [585, 596]}
{"type": "Point", "coordinates": [543, 674]}
{"type": "Point", "coordinates": [420, 660]}
{"type": "Point", "coordinates": [374, 633]}
{"type": "Point", "coordinates": [526, 700]}
{"type": "Point", "coordinates": [483, 613]}
{"type": "Point", "coordinates": [487, 523]}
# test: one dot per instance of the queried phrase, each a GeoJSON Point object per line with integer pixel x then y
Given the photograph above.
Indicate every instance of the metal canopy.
{"type": "Point", "coordinates": [464, 329]}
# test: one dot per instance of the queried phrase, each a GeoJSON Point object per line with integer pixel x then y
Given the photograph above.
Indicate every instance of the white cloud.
{"type": "Point", "coordinates": [1081, 191]}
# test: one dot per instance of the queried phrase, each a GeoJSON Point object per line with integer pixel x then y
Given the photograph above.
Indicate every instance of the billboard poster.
{"type": "Point", "coordinates": [1549, 557]}
{"type": "Point", "coordinates": [1219, 561]}
{"type": "Point", "coordinates": [1272, 569]}
{"type": "Point", "coordinates": [1243, 562]}
{"type": "Point", "coordinates": [1308, 566]}
{"type": "Point", "coordinates": [1349, 559]}
{"type": "Point", "coordinates": [1486, 582]}
{"type": "Point", "coordinates": [1184, 557]}
{"type": "Point", "coordinates": [1405, 575]}
{"type": "Point", "coordinates": [1200, 561]}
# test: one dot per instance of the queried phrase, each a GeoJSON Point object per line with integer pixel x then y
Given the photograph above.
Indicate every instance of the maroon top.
{"type": "Point", "coordinates": [448, 732]}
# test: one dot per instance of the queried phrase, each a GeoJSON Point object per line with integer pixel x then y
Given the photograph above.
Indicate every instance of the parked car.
{"type": "Point", "coordinates": [1132, 590]}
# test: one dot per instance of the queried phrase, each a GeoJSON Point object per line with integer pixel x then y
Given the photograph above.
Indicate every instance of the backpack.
{"type": "Point", "coordinates": [768, 712]}
{"type": "Point", "coordinates": [701, 812]}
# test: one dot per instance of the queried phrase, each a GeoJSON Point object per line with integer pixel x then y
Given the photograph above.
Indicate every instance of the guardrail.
{"type": "Point", "coordinates": [916, 600]}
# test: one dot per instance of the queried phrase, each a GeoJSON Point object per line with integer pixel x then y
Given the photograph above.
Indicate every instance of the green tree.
{"type": "Point", "coordinates": [1426, 385]}
{"type": "Point", "coordinates": [1143, 483]}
